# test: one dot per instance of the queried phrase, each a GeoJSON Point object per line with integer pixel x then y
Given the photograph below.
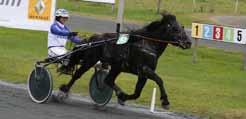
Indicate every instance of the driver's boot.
{"type": "Point", "coordinates": [66, 68]}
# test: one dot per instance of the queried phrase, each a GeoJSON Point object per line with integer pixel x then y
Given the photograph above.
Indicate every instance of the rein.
{"type": "Point", "coordinates": [150, 39]}
{"type": "Point", "coordinates": [153, 39]}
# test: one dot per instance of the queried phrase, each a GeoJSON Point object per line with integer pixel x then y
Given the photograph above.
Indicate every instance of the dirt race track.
{"type": "Point", "coordinates": [15, 104]}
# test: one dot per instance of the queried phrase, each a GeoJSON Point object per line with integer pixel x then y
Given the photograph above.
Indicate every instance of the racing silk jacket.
{"type": "Point", "coordinates": [58, 35]}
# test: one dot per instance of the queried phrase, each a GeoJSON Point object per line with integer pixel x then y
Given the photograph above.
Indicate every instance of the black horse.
{"type": "Point", "coordinates": [139, 56]}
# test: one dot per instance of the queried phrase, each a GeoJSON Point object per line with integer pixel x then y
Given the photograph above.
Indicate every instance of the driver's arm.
{"type": "Point", "coordinates": [75, 39]}
{"type": "Point", "coordinates": [58, 31]}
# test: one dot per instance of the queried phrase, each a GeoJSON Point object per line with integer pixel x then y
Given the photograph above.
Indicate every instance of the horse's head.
{"type": "Point", "coordinates": [170, 30]}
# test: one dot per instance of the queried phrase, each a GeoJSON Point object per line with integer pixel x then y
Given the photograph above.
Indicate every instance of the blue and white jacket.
{"type": "Point", "coordinates": [58, 35]}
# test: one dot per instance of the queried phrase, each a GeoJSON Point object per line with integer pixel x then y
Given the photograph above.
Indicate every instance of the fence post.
{"type": "Point", "coordinates": [113, 6]}
{"type": "Point", "coordinates": [194, 6]}
{"type": "Point", "coordinates": [236, 6]}
{"type": "Point", "coordinates": [194, 57]}
{"type": "Point", "coordinates": [158, 6]}
{"type": "Point", "coordinates": [120, 13]}
{"type": "Point", "coordinates": [244, 56]}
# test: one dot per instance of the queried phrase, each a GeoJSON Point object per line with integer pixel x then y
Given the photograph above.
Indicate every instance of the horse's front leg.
{"type": "Point", "coordinates": [149, 73]}
{"type": "Point", "coordinates": [110, 81]}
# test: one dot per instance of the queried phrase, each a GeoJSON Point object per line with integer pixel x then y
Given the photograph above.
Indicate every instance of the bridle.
{"type": "Point", "coordinates": [158, 40]}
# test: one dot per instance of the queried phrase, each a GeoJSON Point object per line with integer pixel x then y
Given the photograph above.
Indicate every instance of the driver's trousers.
{"type": "Point", "coordinates": [56, 51]}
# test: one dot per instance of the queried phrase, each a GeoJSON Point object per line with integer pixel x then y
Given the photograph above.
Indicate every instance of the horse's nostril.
{"type": "Point", "coordinates": [188, 44]}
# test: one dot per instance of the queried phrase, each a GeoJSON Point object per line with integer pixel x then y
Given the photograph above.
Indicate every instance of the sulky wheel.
{"type": "Point", "coordinates": [40, 84]}
{"type": "Point", "coordinates": [100, 92]}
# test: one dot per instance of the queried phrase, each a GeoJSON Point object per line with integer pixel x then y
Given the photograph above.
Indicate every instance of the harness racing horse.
{"type": "Point", "coordinates": [138, 56]}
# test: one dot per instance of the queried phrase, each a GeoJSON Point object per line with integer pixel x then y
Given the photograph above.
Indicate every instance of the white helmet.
{"type": "Point", "coordinates": [62, 13]}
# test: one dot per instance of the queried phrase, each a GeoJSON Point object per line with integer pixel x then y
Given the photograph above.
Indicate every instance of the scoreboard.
{"type": "Point", "coordinates": [218, 33]}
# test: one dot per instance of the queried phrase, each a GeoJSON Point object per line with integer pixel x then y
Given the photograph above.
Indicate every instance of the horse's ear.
{"type": "Point", "coordinates": [166, 16]}
{"type": "Point", "coordinates": [164, 13]}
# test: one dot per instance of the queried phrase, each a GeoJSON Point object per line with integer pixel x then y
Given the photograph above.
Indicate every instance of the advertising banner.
{"type": "Point", "coordinates": [27, 14]}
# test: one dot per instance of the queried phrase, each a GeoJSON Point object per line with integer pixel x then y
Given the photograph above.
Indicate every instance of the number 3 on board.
{"type": "Point", "coordinates": [218, 33]}
{"type": "Point", "coordinates": [197, 30]}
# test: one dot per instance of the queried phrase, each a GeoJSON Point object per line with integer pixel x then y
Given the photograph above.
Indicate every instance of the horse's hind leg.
{"type": "Point", "coordinates": [66, 87]}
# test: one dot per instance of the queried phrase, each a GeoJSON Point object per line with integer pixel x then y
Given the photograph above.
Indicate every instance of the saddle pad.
{"type": "Point", "coordinates": [123, 39]}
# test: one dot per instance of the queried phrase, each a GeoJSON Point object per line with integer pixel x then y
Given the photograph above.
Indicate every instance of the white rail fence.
{"type": "Point", "coordinates": [112, 2]}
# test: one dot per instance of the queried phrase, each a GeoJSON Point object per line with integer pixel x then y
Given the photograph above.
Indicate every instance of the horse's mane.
{"type": "Point", "coordinates": [165, 18]}
{"type": "Point", "coordinates": [147, 29]}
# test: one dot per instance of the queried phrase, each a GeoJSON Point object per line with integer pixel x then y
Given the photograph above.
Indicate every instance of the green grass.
{"type": "Point", "coordinates": [145, 10]}
{"type": "Point", "coordinates": [214, 87]}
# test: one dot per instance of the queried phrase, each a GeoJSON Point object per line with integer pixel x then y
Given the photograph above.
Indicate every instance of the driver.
{"type": "Point", "coordinates": [59, 34]}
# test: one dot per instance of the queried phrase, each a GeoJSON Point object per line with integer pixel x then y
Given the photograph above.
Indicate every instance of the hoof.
{"type": "Point", "coordinates": [165, 104]}
{"type": "Point", "coordinates": [121, 102]}
{"type": "Point", "coordinates": [60, 96]}
{"type": "Point", "coordinates": [121, 98]}
{"type": "Point", "coordinates": [64, 88]}
{"type": "Point", "coordinates": [166, 107]}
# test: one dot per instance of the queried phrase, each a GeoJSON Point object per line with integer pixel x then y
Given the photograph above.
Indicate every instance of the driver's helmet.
{"type": "Point", "coordinates": [62, 13]}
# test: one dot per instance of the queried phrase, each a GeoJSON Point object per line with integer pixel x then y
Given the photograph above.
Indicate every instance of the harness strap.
{"type": "Point", "coordinates": [155, 40]}
{"type": "Point", "coordinates": [151, 39]}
